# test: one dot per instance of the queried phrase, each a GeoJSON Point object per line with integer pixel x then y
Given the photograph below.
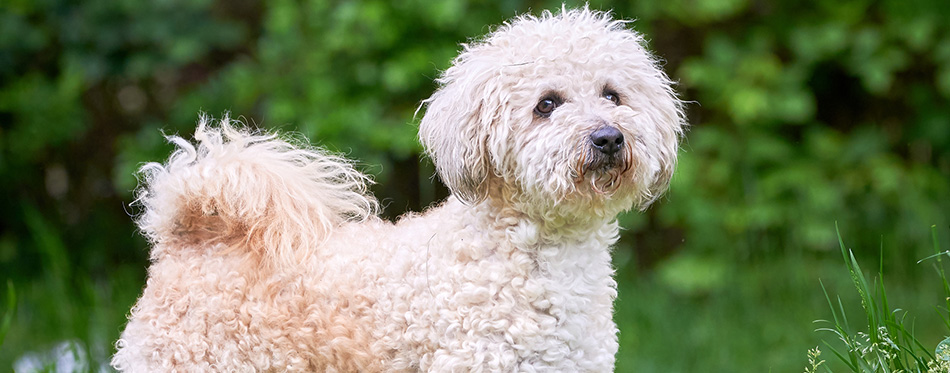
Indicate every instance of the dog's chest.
{"type": "Point", "coordinates": [508, 308]}
{"type": "Point", "coordinates": [577, 297]}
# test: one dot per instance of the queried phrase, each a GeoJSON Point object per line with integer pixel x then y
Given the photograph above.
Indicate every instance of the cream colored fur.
{"type": "Point", "coordinates": [268, 255]}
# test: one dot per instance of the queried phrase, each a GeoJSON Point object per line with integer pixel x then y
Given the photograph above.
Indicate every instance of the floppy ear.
{"type": "Point", "coordinates": [665, 113]}
{"type": "Point", "coordinates": [458, 123]}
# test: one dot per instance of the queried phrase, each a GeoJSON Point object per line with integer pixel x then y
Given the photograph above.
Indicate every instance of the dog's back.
{"type": "Point", "coordinates": [231, 220]}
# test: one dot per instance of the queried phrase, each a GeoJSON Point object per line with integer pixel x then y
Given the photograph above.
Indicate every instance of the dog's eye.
{"type": "Point", "coordinates": [545, 106]}
{"type": "Point", "coordinates": [612, 96]}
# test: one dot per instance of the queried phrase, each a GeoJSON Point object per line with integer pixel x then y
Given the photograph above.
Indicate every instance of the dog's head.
{"type": "Point", "coordinates": [561, 111]}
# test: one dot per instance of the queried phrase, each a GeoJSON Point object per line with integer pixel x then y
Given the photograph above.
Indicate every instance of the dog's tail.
{"type": "Point", "coordinates": [250, 192]}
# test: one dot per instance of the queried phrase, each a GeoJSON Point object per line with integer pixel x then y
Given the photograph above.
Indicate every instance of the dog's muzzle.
{"type": "Point", "coordinates": [607, 140]}
{"type": "Point", "coordinates": [605, 160]}
{"type": "Point", "coordinates": [606, 150]}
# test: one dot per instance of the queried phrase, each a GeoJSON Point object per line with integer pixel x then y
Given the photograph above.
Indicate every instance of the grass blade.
{"type": "Point", "coordinates": [7, 320]}
{"type": "Point", "coordinates": [834, 314]}
{"type": "Point", "coordinates": [942, 253]}
{"type": "Point", "coordinates": [943, 275]}
{"type": "Point", "coordinates": [861, 283]}
{"type": "Point", "coordinates": [851, 364]}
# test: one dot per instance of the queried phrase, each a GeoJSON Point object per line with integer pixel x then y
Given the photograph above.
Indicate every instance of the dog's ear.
{"type": "Point", "coordinates": [459, 120]}
{"type": "Point", "coordinates": [665, 112]}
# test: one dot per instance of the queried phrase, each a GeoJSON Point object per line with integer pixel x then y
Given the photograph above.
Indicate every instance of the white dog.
{"type": "Point", "coordinates": [268, 256]}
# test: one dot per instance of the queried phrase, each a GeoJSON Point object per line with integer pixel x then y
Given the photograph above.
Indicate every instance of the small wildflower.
{"type": "Point", "coordinates": [941, 362]}
{"type": "Point", "coordinates": [938, 366]}
{"type": "Point", "coordinates": [886, 338]}
{"type": "Point", "coordinates": [813, 356]}
{"type": "Point", "coordinates": [943, 350]}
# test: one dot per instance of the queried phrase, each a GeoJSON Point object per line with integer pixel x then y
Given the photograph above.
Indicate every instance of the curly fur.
{"type": "Point", "coordinates": [268, 255]}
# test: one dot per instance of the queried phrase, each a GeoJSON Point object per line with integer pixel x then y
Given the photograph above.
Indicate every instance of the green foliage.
{"type": "Point", "coordinates": [889, 343]}
{"type": "Point", "coordinates": [824, 120]}
{"type": "Point", "coordinates": [802, 114]}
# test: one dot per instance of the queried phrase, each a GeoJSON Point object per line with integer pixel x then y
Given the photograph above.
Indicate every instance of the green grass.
{"type": "Point", "coordinates": [10, 308]}
{"type": "Point", "coordinates": [889, 342]}
{"type": "Point", "coordinates": [758, 315]}
{"type": "Point", "coordinates": [755, 319]}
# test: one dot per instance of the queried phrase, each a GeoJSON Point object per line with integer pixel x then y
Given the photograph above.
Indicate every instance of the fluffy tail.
{"type": "Point", "coordinates": [250, 192]}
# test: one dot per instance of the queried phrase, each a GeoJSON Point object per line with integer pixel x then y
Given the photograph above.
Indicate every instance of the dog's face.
{"type": "Point", "coordinates": [563, 112]}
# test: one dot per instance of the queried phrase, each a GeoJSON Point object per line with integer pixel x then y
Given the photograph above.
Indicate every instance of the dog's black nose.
{"type": "Point", "coordinates": [607, 140]}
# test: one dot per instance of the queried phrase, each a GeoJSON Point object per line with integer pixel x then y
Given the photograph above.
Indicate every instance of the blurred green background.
{"type": "Point", "coordinates": [803, 114]}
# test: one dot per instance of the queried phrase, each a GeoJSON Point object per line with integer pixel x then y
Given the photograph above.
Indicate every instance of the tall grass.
{"type": "Point", "coordinates": [888, 344]}
{"type": "Point", "coordinates": [7, 311]}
